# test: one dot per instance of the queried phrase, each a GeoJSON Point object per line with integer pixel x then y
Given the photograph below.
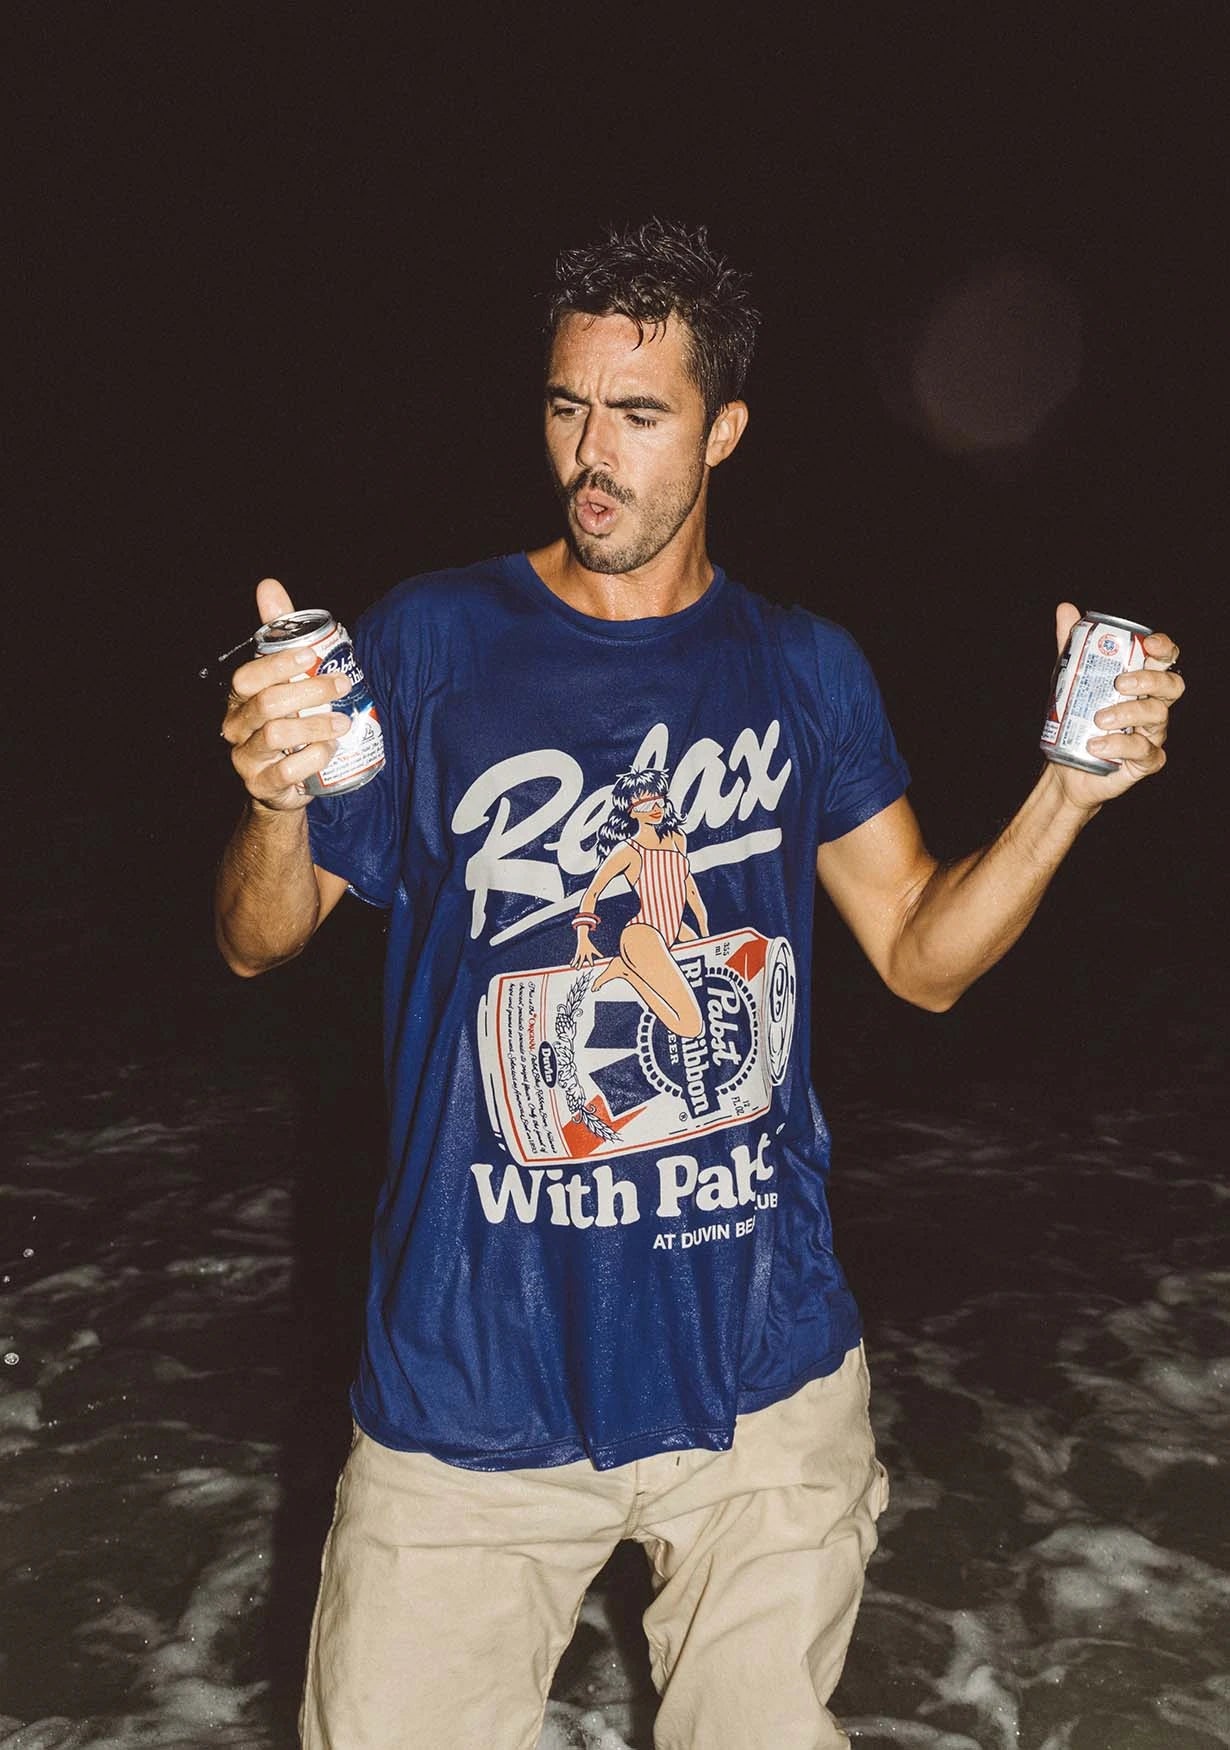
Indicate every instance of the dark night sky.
{"type": "Point", "coordinates": [279, 316]}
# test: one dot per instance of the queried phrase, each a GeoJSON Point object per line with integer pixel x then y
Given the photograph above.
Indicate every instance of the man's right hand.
{"type": "Point", "coordinates": [273, 749]}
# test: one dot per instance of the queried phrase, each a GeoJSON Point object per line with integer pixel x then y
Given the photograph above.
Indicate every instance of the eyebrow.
{"type": "Point", "coordinates": [647, 403]}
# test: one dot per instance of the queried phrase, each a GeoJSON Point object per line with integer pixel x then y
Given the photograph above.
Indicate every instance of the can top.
{"type": "Point", "coordinates": [301, 627]}
{"type": "Point", "coordinates": [1113, 620]}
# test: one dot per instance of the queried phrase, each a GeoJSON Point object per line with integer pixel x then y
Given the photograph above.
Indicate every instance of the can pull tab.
{"type": "Point", "coordinates": [209, 672]}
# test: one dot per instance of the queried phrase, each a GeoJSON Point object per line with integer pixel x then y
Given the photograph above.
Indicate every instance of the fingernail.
{"type": "Point", "coordinates": [341, 724]}
{"type": "Point", "coordinates": [304, 658]}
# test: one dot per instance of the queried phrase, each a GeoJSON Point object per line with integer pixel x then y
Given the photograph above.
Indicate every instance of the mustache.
{"type": "Point", "coordinates": [601, 483]}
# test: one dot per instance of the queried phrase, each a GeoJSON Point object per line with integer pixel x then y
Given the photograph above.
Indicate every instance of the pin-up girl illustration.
{"type": "Point", "coordinates": [641, 839]}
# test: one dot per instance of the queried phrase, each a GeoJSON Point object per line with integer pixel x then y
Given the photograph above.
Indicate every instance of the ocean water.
{"type": "Point", "coordinates": [1041, 1258]}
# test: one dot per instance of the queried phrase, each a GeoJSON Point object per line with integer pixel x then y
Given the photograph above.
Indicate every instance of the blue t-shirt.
{"type": "Point", "coordinates": [603, 1233]}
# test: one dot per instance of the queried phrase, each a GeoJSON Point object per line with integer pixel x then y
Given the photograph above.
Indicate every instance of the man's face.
{"type": "Point", "coordinates": [626, 435]}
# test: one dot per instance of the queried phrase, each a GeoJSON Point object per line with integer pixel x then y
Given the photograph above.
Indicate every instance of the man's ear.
{"type": "Point", "coordinates": [725, 432]}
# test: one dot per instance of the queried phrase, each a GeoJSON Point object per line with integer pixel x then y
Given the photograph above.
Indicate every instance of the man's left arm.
{"type": "Point", "coordinates": [931, 929]}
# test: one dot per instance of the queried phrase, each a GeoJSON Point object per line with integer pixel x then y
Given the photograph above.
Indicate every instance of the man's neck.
{"type": "Point", "coordinates": [667, 585]}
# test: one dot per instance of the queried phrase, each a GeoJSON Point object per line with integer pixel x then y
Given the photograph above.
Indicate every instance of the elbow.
{"type": "Point", "coordinates": [929, 982]}
{"type": "Point", "coordinates": [932, 1002]}
{"type": "Point", "coordinates": [236, 963]}
{"type": "Point", "coordinates": [241, 969]}
{"type": "Point", "coordinates": [936, 1002]}
{"type": "Point", "coordinates": [934, 996]}
{"type": "Point", "coordinates": [251, 965]}
{"type": "Point", "coordinates": [251, 968]}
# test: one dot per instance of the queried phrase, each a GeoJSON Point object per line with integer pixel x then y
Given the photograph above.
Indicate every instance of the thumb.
{"type": "Point", "coordinates": [272, 600]}
{"type": "Point", "coordinates": [1066, 616]}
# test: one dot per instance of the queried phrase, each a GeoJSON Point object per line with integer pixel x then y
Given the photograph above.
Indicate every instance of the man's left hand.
{"type": "Point", "coordinates": [1136, 725]}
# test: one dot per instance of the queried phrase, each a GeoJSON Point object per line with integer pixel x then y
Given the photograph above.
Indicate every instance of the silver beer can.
{"type": "Point", "coordinates": [360, 751]}
{"type": "Point", "coordinates": [1100, 648]}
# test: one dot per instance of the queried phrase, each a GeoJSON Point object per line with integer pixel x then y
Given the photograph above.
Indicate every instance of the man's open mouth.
{"type": "Point", "coordinates": [595, 512]}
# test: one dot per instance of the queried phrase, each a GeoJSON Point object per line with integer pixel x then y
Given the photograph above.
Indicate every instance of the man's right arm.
{"type": "Point", "coordinates": [270, 898]}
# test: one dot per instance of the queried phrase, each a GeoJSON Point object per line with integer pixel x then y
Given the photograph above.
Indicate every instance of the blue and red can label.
{"type": "Point", "coordinates": [360, 751]}
{"type": "Point", "coordinates": [1098, 651]}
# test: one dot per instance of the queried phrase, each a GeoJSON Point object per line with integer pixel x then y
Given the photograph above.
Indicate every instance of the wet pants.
{"type": "Point", "coordinates": [447, 1595]}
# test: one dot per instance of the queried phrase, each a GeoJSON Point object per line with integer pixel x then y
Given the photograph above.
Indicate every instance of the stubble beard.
{"type": "Point", "coordinates": [657, 523]}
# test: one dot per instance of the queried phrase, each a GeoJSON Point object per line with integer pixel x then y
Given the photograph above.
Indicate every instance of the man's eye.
{"type": "Point", "coordinates": [640, 419]}
{"type": "Point", "coordinates": [564, 411]}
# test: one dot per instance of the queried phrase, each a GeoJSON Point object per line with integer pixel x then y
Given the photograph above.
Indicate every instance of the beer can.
{"type": "Point", "coordinates": [571, 1073]}
{"type": "Point", "coordinates": [360, 751]}
{"type": "Point", "coordinates": [1100, 648]}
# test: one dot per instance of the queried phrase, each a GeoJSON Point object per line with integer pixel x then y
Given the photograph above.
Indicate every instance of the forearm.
{"type": "Point", "coordinates": [266, 898]}
{"type": "Point", "coordinates": [968, 913]}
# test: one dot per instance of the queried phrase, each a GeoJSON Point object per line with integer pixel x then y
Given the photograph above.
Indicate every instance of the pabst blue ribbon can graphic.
{"type": "Point", "coordinates": [573, 1073]}
{"type": "Point", "coordinates": [1099, 650]}
{"type": "Point", "coordinates": [360, 752]}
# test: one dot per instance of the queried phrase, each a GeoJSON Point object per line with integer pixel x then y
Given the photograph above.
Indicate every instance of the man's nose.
{"type": "Point", "coordinates": [596, 448]}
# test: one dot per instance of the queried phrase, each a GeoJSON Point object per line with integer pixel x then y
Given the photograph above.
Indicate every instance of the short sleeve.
{"type": "Point", "coordinates": [360, 835]}
{"type": "Point", "coordinates": [864, 770]}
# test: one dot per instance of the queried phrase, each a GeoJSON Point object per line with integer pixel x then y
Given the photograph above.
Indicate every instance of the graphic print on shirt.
{"type": "Point", "coordinates": [666, 1032]}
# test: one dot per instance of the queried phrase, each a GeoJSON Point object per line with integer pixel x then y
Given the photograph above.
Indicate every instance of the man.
{"type": "Point", "coordinates": [604, 1301]}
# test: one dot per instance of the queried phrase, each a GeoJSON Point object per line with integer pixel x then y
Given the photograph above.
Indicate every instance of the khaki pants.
{"type": "Point", "coordinates": [447, 1596]}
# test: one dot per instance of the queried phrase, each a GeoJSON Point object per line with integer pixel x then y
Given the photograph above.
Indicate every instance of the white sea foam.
{"type": "Point", "coordinates": [571, 1728]}
{"type": "Point", "coordinates": [50, 1734]}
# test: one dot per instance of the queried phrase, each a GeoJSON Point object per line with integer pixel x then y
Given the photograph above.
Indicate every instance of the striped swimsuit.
{"type": "Point", "coordinates": [662, 890]}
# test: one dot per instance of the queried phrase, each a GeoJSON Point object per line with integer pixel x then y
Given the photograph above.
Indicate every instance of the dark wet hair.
{"type": "Point", "coordinates": [619, 824]}
{"type": "Point", "coordinates": [658, 269]}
